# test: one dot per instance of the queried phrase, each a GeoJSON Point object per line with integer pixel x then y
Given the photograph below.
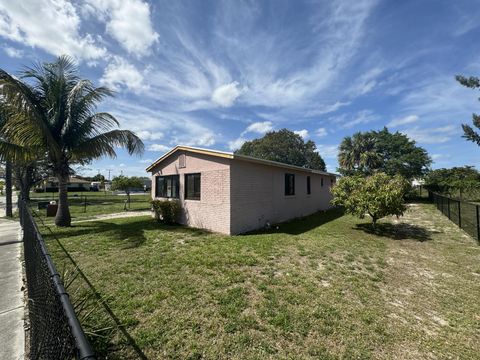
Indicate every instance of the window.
{"type": "Point", "coordinates": [192, 186]}
{"type": "Point", "coordinates": [167, 186]}
{"type": "Point", "coordinates": [181, 161]}
{"type": "Point", "coordinates": [309, 190]}
{"type": "Point", "coordinates": [321, 181]}
{"type": "Point", "coordinates": [332, 182]}
{"type": "Point", "coordinates": [289, 184]}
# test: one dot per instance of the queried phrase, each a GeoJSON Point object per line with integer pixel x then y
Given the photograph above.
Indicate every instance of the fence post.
{"type": "Point", "coordinates": [85, 204]}
{"type": "Point", "coordinates": [448, 204]}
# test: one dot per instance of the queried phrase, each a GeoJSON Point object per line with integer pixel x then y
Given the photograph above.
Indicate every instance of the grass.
{"type": "Point", "coordinates": [321, 287]}
{"type": "Point", "coordinates": [97, 203]}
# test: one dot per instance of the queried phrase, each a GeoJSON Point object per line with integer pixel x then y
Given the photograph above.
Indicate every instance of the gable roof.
{"type": "Point", "coordinates": [230, 155]}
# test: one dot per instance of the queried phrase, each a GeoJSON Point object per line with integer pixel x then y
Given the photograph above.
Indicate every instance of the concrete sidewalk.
{"type": "Point", "coordinates": [12, 333]}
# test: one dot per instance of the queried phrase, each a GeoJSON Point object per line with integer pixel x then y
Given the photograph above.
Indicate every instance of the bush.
{"type": "Point", "coordinates": [378, 195]}
{"type": "Point", "coordinates": [166, 211]}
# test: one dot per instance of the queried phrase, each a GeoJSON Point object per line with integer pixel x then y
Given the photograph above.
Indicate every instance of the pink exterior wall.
{"type": "Point", "coordinates": [258, 195]}
{"type": "Point", "coordinates": [212, 211]}
{"type": "Point", "coordinates": [239, 196]}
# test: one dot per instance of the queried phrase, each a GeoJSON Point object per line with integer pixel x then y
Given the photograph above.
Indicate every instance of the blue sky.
{"type": "Point", "coordinates": [216, 73]}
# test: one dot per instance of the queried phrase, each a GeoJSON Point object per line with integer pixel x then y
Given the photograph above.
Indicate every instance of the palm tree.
{"type": "Point", "coordinates": [55, 112]}
{"type": "Point", "coordinates": [358, 154]}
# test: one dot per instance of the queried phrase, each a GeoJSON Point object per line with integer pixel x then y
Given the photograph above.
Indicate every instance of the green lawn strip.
{"type": "Point", "coordinates": [97, 203]}
{"type": "Point", "coordinates": [319, 287]}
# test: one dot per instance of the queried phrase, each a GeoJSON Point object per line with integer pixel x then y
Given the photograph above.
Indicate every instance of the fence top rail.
{"type": "Point", "coordinates": [84, 349]}
{"type": "Point", "coordinates": [455, 199]}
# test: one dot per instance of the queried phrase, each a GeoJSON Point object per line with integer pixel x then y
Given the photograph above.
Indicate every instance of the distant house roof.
{"type": "Point", "coordinates": [230, 155]}
{"type": "Point", "coordinates": [71, 180]}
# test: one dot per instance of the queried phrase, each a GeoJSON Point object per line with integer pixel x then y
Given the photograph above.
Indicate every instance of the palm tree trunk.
{"type": "Point", "coordinates": [63, 217]}
{"type": "Point", "coordinates": [8, 189]}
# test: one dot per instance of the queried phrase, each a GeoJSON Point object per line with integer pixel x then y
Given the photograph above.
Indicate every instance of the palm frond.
{"type": "Point", "coordinates": [104, 145]}
{"type": "Point", "coordinates": [16, 153]}
{"type": "Point", "coordinates": [24, 102]}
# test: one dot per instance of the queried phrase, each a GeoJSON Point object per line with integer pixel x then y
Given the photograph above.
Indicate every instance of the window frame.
{"type": "Point", "coordinates": [164, 194]}
{"type": "Point", "coordinates": [309, 185]}
{"type": "Point", "coordinates": [196, 195]}
{"type": "Point", "coordinates": [289, 188]}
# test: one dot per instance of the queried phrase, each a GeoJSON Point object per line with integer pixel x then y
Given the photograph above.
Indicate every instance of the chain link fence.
{"type": "Point", "coordinates": [462, 213]}
{"type": "Point", "coordinates": [55, 332]}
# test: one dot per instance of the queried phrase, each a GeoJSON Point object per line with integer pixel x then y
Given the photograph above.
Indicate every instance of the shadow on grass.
{"type": "Point", "coordinates": [130, 232]}
{"type": "Point", "coordinates": [400, 231]}
{"type": "Point", "coordinates": [301, 225]}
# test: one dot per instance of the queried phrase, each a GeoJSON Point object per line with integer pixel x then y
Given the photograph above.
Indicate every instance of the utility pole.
{"type": "Point", "coordinates": [109, 174]}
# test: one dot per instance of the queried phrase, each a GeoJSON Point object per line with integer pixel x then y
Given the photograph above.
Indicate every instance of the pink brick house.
{"type": "Point", "coordinates": [232, 194]}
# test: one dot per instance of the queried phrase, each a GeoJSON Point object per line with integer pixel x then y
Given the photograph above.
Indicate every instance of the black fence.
{"type": "Point", "coordinates": [465, 214]}
{"type": "Point", "coordinates": [55, 332]}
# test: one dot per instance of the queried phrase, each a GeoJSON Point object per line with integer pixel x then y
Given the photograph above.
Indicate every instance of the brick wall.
{"type": "Point", "coordinates": [212, 211]}
{"type": "Point", "coordinates": [258, 195]}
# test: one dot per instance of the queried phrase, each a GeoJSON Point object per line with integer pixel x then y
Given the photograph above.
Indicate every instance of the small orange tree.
{"type": "Point", "coordinates": [378, 195]}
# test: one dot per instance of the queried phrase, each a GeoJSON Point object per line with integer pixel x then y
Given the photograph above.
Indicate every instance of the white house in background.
{"type": "Point", "coordinates": [74, 184]}
{"type": "Point", "coordinates": [232, 194]}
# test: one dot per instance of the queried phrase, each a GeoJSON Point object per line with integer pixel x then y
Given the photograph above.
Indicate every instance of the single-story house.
{"type": "Point", "coordinates": [232, 194]}
{"type": "Point", "coordinates": [74, 184]}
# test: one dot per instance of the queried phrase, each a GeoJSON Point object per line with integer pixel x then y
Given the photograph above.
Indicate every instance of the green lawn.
{"type": "Point", "coordinates": [321, 287]}
{"type": "Point", "coordinates": [84, 205]}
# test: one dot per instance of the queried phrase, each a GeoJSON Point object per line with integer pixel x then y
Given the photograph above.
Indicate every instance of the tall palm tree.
{"type": "Point", "coordinates": [55, 111]}
{"type": "Point", "coordinates": [358, 154]}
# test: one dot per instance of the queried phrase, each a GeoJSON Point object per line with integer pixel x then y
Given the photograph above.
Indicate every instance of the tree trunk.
{"type": "Point", "coordinates": [23, 177]}
{"type": "Point", "coordinates": [63, 217]}
{"type": "Point", "coordinates": [8, 189]}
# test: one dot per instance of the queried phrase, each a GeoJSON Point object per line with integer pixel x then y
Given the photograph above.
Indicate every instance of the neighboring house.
{"type": "Point", "coordinates": [232, 194]}
{"type": "Point", "coordinates": [74, 184]}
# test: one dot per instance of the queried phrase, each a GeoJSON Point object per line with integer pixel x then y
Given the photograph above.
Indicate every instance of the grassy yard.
{"type": "Point", "coordinates": [321, 287]}
{"type": "Point", "coordinates": [84, 205]}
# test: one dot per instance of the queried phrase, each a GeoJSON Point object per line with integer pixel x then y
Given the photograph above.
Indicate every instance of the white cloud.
{"type": "Point", "coordinates": [321, 132]}
{"type": "Point", "coordinates": [148, 135]}
{"type": "Point", "coordinates": [121, 74]}
{"type": "Point", "coordinates": [325, 109]}
{"type": "Point", "coordinates": [158, 147]}
{"type": "Point", "coordinates": [178, 128]}
{"type": "Point", "coordinates": [236, 144]}
{"type": "Point", "coordinates": [260, 127]}
{"type": "Point", "coordinates": [146, 161]}
{"type": "Point", "coordinates": [303, 133]}
{"type": "Point", "coordinates": [328, 151]}
{"type": "Point", "coordinates": [226, 95]}
{"type": "Point", "coordinates": [348, 121]}
{"type": "Point", "coordinates": [53, 26]}
{"type": "Point", "coordinates": [12, 52]}
{"type": "Point", "coordinates": [127, 21]}
{"type": "Point", "coordinates": [366, 82]}
{"type": "Point", "coordinates": [433, 135]}
{"type": "Point", "coordinates": [403, 120]}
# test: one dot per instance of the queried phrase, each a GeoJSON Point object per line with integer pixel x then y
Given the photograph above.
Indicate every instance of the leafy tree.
{"type": "Point", "coordinates": [457, 180]}
{"type": "Point", "coordinates": [378, 195]}
{"type": "Point", "coordinates": [98, 177]}
{"type": "Point", "coordinates": [286, 147]}
{"type": "Point", "coordinates": [125, 183]}
{"type": "Point", "coordinates": [469, 133]}
{"type": "Point", "coordinates": [55, 112]}
{"type": "Point", "coordinates": [382, 151]}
